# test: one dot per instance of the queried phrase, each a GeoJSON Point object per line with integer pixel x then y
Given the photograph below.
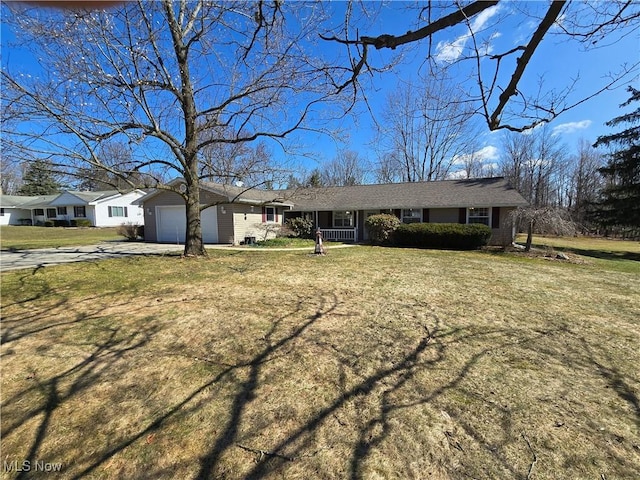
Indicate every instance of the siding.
{"type": "Point", "coordinates": [135, 213]}
{"type": "Point", "coordinates": [246, 223]}
{"type": "Point", "coordinates": [443, 215]}
{"type": "Point", "coordinates": [12, 216]}
{"type": "Point", "coordinates": [225, 222]}
{"type": "Point", "coordinates": [164, 198]}
{"type": "Point", "coordinates": [504, 235]}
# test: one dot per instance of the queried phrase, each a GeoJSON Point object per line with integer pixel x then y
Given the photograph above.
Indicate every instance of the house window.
{"type": "Point", "coordinates": [38, 211]}
{"type": "Point", "coordinates": [62, 211]}
{"type": "Point", "coordinates": [270, 214]}
{"type": "Point", "coordinates": [479, 215]}
{"type": "Point", "coordinates": [411, 215]}
{"type": "Point", "coordinates": [79, 212]}
{"type": "Point", "coordinates": [342, 219]}
{"type": "Point", "coordinates": [51, 213]}
{"type": "Point", "coordinates": [118, 212]}
{"type": "Point", "coordinates": [2, 212]}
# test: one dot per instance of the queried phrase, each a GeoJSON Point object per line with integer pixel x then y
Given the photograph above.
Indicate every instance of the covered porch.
{"type": "Point", "coordinates": [337, 225]}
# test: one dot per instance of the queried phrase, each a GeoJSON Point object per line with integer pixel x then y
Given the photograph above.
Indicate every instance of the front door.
{"type": "Point", "coordinates": [367, 214]}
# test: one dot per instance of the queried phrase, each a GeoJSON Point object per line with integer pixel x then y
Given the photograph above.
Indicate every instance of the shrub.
{"type": "Point", "coordinates": [130, 231]}
{"type": "Point", "coordinates": [381, 228]}
{"type": "Point", "coordinates": [61, 223]}
{"type": "Point", "coordinates": [442, 235]}
{"type": "Point", "coordinates": [48, 223]}
{"type": "Point", "coordinates": [301, 227]}
{"type": "Point", "coordinates": [81, 222]}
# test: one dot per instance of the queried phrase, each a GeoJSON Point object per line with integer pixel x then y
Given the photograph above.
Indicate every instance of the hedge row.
{"type": "Point", "coordinates": [77, 222]}
{"type": "Point", "coordinates": [454, 236]}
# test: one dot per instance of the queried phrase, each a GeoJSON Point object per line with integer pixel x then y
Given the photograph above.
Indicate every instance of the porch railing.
{"type": "Point", "coordinates": [339, 234]}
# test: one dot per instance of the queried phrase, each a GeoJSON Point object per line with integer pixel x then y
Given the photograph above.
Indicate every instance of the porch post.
{"type": "Point", "coordinates": [355, 233]}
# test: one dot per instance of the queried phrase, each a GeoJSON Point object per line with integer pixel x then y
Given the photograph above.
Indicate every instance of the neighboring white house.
{"type": "Point", "coordinates": [14, 209]}
{"type": "Point", "coordinates": [102, 209]}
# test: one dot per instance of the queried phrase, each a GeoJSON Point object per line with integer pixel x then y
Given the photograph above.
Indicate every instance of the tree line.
{"type": "Point", "coordinates": [204, 90]}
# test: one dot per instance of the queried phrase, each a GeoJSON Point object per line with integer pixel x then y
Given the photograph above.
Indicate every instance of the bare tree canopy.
{"type": "Point", "coordinates": [346, 169]}
{"type": "Point", "coordinates": [498, 76]}
{"type": "Point", "coordinates": [171, 81]}
{"type": "Point", "coordinates": [424, 129]}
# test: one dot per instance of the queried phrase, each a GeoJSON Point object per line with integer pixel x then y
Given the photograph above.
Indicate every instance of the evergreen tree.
{"type": "Point", "coordinates": [619, 205]}
{"type": "Point", "coordinates": [39, 180]}
{"type": "Point", "coordinates": [315, 179]}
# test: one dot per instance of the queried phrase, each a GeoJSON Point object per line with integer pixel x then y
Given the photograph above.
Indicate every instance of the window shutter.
{"type": "Point", "coordinates": [462, 215]}
{"type": "Point", "coordinates": [264, 214]}
{"type": "Point", "coordinates": [495, 217]}
{"type": "Point", "coordinates": [125, 212]}
{"type": "Point", "coordinates": [275, 212]}
{"type": "Point", "coordinates": [425, 215]}
{"type": "Point", "coordinates": [110, 212]}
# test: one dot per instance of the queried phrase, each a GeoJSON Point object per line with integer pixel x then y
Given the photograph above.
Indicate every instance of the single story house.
{"type": "Point", "coordinates": [103, 209]}
{"type": "Point", "coordinates": [237, 213]}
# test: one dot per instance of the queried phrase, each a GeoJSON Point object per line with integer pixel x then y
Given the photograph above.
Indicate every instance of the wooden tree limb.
{"type": "Point", "coordinates": [512, 89]}
{"type": "Point", "coordinates": [393, 41]}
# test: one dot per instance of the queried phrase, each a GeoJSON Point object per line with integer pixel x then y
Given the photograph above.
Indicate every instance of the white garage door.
{"type": "Point", "coordinates": [172, 223]}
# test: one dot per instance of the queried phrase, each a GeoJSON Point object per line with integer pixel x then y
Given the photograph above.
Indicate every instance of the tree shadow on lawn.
{"type": "Point", "coordinates": [381, 388]}
{"type": "Point", "coordinates": [52, 393]}
{"type": "Point", "coordinates": [599, 254]}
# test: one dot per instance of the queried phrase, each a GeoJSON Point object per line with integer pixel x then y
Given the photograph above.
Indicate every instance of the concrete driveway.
{"type": "Point", "coordinates": [17, 259]}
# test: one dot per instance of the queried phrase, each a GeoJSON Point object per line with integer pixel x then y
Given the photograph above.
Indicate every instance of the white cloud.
{"type": "Point", "coordinates": [571, 127]}
{"type": "Point", "coordinates": [450, 51]}
{"type": "Point", "coordinates": [485, 154]}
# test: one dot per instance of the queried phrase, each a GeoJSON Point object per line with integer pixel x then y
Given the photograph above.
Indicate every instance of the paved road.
{"type": "Point", "coordinates": [37, 258]}
{"type": "Point", "coordinates": [14, 260]}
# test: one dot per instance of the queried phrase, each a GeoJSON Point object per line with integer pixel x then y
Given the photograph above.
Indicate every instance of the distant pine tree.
{"type": "Point", "coordinates": [39, 180]}
{"type": "Point", "coordinates": [619, 205]}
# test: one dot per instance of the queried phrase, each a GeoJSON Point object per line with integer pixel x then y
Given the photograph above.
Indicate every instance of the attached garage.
{"type": "Point", "coordinates": [171, 224]}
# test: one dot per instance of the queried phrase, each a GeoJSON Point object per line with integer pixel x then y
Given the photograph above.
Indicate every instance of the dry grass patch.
{"type": "Point", "coordinates": [366, 363]}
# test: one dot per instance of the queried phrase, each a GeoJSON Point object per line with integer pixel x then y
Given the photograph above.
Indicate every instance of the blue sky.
{"type": "Point", "coordinates": [557, 60]}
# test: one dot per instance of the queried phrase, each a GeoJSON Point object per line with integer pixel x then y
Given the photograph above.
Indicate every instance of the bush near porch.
{"type": "Point", "coordinates": [454, 236]}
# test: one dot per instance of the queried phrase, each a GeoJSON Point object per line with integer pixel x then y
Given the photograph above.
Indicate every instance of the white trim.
{"type": "Point", "coordinates": [419, 210]}
{"type": "Point", "coordinates": [489, 211]}
{"type": "Point", "coordinates": [347, 213]}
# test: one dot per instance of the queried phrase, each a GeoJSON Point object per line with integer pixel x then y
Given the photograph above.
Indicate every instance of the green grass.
{"type": "Point", "coordinates": [364, 363]}
{"type": "Point", "coordinates": [286, 242]}
{"type": "Point", "coordinates": [23, 238]}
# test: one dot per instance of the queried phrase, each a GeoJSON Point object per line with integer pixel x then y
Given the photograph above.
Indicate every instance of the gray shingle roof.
{"type": "Point", "coordinates": [94, 196]}
{"type": "Point", "coordinates": [18, 201]}
{"type": "Point", "coordinates": [485, 192]}
{"type": "Point", "coordinates": [249, 195]}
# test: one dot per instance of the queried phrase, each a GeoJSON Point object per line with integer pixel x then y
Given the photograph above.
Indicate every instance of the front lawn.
{"type": "Point", "coordinates": [23, 238]}
{"type": "Point", "coordinates": [364, 363]}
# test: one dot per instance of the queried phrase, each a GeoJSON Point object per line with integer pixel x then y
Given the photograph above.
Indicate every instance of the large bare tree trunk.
{"type": "Point", "coordinates": [193, 244]}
